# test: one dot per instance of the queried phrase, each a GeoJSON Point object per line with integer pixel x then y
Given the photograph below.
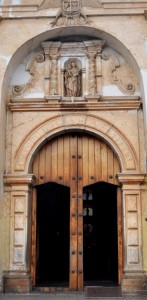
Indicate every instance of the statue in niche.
{"type": "Point", "coordinates": [72, 80]}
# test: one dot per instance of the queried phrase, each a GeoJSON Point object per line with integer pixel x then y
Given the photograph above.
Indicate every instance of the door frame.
{"type": "Point", "coordinates": [33, 258]}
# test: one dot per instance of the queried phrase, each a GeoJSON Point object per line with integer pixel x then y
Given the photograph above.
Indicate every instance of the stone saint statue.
{"type": "Point", "coordinates": [72, 80]}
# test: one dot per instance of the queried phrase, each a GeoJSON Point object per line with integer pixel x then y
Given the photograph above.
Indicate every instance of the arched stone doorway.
{"type": "Point", "coordinates": [76, 214]}
{"type": "Point", "coordinates": [115, 120]}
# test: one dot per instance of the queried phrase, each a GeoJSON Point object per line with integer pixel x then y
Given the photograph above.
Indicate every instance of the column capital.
{"type": "Point", "coordinates": [127, 178]}
{"type": "Point", "coordinates": [51, 47]}
{"type": "Point", "coordinates": [19, 179]}
{"type": "Point", "coordinates": [46, 46]}
{"type": "Point", "coordinates": [94, 46]}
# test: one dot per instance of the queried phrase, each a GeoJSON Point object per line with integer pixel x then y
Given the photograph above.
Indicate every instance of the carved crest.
{"type": "Point", "coordinates": [70, 9]}
{"type": "Point", "coordinates": [71, 6]}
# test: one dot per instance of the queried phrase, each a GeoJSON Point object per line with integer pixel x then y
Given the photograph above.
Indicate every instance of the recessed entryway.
{"type": "Point", "coordinates": [76, 213]}
{"type": "Point", "coordinates": [100, 234]}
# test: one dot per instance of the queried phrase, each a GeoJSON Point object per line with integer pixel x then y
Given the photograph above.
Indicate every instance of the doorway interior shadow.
{"type": "Point", "coordinates": [100, 242]}
{"type": "Point", "coordinates": [53, 203]}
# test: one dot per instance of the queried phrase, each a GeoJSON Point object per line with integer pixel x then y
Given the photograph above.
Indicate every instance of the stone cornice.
{"type": "Point", "coordinates": [108, 7]}
{"type": "Point", "coordinates": [20, 179]}
{"type": "Point", "coordinates": [127, 178]}
{"type": "Point", "coordinates": [90, 102]}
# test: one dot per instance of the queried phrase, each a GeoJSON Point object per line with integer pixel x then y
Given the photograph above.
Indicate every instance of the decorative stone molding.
{"type": "Point", "coordinates": [129, 87]}
{"type": "Point", "coordinates": [31, 68]}
{"type": "Point", "coordinates": [98, 66]}
{"type": "Point", "coordinates": [63, 123]}
{"type": "Point", "coordinates": [129, 179]}
{"type": "Point", "coordinates": [56, 56]}
{"type": "Point", "coordinates": [89, 102]}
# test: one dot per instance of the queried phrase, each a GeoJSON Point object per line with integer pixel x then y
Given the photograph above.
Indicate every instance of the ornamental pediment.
{"type": "Point", "coordinates": [79, 72]}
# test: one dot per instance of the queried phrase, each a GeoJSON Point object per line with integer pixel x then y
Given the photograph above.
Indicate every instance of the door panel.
{"type": "Point", "coordinates": [74, 160]}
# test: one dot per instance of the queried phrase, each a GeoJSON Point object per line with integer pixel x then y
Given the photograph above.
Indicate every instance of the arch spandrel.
{"type": "Point", "coordinates": [71, 122]}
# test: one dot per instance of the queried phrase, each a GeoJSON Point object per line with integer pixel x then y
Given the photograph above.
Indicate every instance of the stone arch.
{"type": "Point", "coordinates": [35, 41]}
{"type": "Point", "coordinates": [75, 121]}
{"type": "Point", "coordinates": [75, 32]}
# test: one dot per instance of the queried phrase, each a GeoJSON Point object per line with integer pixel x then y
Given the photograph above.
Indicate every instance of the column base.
{"type": "Point", "coordinates": [17, 282]}
{"type": "Point", "coordinates": [134, 283]}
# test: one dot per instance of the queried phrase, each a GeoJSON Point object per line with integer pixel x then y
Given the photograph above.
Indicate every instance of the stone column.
{"type": "Point", "coordinates": [54, 55]}
{"type": "Point", "coordinates": [46, 46]}
{"type": "Point", "coordinates": [133, 278]}
{"type": "Point", "coordinates": [92, 72]}
{"type": "Point", "coordinates": [99, 74]}
{"type": "Point", "coordinates": [17, 278]}
{"type": "Point", "coordinates": [94, 49]}
{"type": "Point", "coordinates": [83, 80]}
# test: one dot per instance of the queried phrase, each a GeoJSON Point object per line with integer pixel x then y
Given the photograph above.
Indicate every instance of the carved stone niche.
{"type": "Point", "coordinates": [72, 78]}
{"type": "Point", "coordinates": [72, 70]}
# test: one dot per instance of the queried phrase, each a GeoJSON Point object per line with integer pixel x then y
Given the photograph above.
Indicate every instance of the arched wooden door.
{"type": "Point", "coordinates": [77, 161]}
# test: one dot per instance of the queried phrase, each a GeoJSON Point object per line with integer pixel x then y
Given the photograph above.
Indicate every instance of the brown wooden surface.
{"type": "Point", "coordinates": [119, 229]}
{"type": "Point", "coordinates": [33, 237]}
{"type": "Point", "coordinates": [75, 160]}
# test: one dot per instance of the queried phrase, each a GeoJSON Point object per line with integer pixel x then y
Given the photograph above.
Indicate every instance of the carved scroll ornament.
{"type": "Point", "coordinates": [127, 88]}
{"type": "Point", "coordinates": [21, 89]}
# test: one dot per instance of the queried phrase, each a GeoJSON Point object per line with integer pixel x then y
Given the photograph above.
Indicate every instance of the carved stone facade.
{"type": "Point", "coordinates": [65, 70]}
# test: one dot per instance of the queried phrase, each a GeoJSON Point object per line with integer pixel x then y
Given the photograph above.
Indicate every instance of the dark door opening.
{"type": "Point", "coordinates": [100, 233]}
{"type": "Point", "coordinates": [53, 202]}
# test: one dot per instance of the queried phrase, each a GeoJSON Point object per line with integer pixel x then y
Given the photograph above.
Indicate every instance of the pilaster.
{"type": "Point", "coordinates": [17, 278]}
{"type": "Point", "coordinates": [133, 277]}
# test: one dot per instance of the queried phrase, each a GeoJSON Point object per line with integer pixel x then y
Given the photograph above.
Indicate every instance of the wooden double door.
{"type": "Point", "coordinates": [76, 213]}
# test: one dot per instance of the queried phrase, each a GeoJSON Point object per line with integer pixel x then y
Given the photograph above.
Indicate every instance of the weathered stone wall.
{"type": "Point", "coordinates": [22, 32]}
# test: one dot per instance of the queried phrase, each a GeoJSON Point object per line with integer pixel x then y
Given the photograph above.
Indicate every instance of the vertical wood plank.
{"type": "Point", "coordinates": [73, 214]}
{"type": "Point", "coordinates": [35, 168]}
{"type": "Point", "coordinates": [41, 174]}
{"type": "Point", "coordinates": [116, 169]}
{"type": "Point", "coordinates": [80, 213]}
{"type": "Point", "coordinates": [85, 161]}
{"type": "Point", "coordinates": [119, 232]}
{"type": "Point", "coordinates": [60, 160]}
{"type": "Point", "coordinates": [111, 178]}
{"type": "Point", "coordinates": [104, 162]}
{"type": "Point", "coordinates": [33, 237]}
{"type": "Point", "coordinates": [67, 160]}
{"type": "Point", "coordinates": [91, 160]}
{"type": "Point", "coordinates": [54, 161]}
{"type": "Point", "coordinates": [98, 166]}
{"type": "Point", "coordinates": [48, 161]}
